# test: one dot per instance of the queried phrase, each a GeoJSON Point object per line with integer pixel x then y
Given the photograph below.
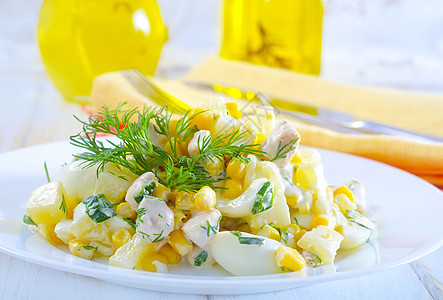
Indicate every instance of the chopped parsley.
{"type": "Point", "coordinates": [201, 258]}
{"type": "Point", "coordinates": [265, 198]}
{"type": "Point", "coordinates": [98, 208]}
{"type": "Point", "coordinates": [210, 230]}
{"type": "Point", "coordinates": [145, 191]}
{"type": "Point", "coordinates": [91, 248]}
{"type": "Point", "coordinates": [247, 240]}
{"type": "Point", "coordinates": [27, 220]}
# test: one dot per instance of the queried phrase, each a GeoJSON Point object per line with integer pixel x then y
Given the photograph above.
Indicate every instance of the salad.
{"type": "Point", "coordinates": [149, 189]}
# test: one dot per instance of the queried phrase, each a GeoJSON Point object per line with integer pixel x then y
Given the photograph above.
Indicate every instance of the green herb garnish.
{"type": "Point", "coordinates": [357, 218]}
{"type": "Point", "coordinates": [130, 222]}
{"type": "Point", "coordinates": [158, 237]}
{"type": "Point", "coordinates": [140, 213]}
{"type": "Point", "coordinates": [247, 240]}
{"type": "Point", "coordinates": [27, 220]}
{"type": "Point", "coordinates": [201, 258]}
{"type": "Point", "coordinates": [63, 206]}
{"type": "Point", "coordinates": [46, 172]}
{"type": "Point", "coordinates": [91, 248]}
{"type": "Point", "coordinates": [98, 208]}
{"type": "Point", "coordinates": [283, 150]}
{"type": "Point", "coordinates": [265, 198]}
{"type": "Point", "coordinates": [210, 230]}
{"type": "Point", "coordinates": [284, 236]}
{"type": "Point", "coordinates": [145, 191]}
{"type": "Point", "coordinates": [135, 150]}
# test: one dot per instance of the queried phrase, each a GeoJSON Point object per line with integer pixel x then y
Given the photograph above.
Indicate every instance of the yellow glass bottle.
{"type": "Point", "coordinates": [80, 39]}
{"type": "Point", "coordinates": [277, 33]}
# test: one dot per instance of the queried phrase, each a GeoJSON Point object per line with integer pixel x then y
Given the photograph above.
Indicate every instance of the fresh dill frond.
{"type": "Point", "coordinates": [135, 150]}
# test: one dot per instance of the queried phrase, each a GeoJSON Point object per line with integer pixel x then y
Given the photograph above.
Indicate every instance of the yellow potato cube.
{"type": "Point", "coordinates": [47, 204]}
{"type": "Point", "coordinates": [129, 255]}
{"type": "Point", "coordinates": [120, 237]}
{"type": "Point", "coordinates": [114, 181]}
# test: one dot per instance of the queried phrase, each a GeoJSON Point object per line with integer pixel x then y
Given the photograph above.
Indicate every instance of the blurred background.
{"type": "Point", "coordinates": [387, 43]}
{"type": "Point", "coordinates": [379, 42]}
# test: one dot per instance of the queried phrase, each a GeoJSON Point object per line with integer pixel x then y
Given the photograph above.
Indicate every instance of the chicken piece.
{"type": "Point", "coordinates": [202, 227]}
{"type": "Point", "coordinates": [136, 188]}
{"type": "Point", "coordinates": [283, 137]}
{"type": "Point", "coordinates": [198, 142]}
{"type": "Point", "coordinates": [155, 220]}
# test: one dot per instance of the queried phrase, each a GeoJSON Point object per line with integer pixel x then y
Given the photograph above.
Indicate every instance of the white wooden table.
{"type": "Point", "coordinates": [32, 112]}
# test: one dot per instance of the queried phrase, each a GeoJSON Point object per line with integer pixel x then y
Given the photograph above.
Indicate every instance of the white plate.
{"type": "Point", "coordinates": [407, 210]}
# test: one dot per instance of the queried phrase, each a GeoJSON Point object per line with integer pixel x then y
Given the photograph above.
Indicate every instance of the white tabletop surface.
{"type": "Point", "coordinates": [33, 112]}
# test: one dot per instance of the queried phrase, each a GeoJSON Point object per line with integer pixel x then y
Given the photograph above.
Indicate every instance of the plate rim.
{"type": "Point", "coordinates": [236, 282]}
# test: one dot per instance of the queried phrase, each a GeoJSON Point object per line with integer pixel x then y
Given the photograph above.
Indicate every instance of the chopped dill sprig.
{"type": "Point", "coordinates": [46, 172]}
{"type": "Point", "coordinates": [136, 151]}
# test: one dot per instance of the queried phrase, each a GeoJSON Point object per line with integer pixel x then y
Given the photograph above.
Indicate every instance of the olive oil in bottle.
{"type": "Point", "coordinates": [277, 33]}
{"type": "Point", "coordinates": [80, 39]}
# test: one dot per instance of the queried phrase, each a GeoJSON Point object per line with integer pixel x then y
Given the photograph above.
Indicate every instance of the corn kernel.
{"type": "Point", "coordinates": [346, 191]}
{"type": "Point", "coordinates": [120, 237]}
{"type": "Point", "coordinates": [233, 110]}
{"type": "Point", "coordinates": [289, 258]}
{"type": "Point", "coordinates": [184, 200]}
{"type": "Point", "coordinates": [179, 242]}
{"type": "Point", "coordinates": [171, 255]}
{"type": "Point", "coordinates": [202, 119]}
{"type": "Point", "coordinates": [125, 210]}
{"type": "Point", "coordinates": [323, 219]}
{"type": "Point", "coordinates": [293, 228]}
{"type": "Point", "coordinates": [269, 232]}
{"type": "Point", "coordinates": [233, 189]}
{"type": "Point", "coordinates": [147, 261]}
{"type": "Point", "coordinates": [205, 199]}
{"type": "Point", "coordinates": [81, 249]}
{"type": "Point", "coordinates": [236, 169]}
{"type": "Point", "coordinates": [160, 191]}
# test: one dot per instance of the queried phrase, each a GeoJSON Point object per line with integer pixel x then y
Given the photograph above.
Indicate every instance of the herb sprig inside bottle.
{"type": "Point", "coordinates": [136, 151]}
